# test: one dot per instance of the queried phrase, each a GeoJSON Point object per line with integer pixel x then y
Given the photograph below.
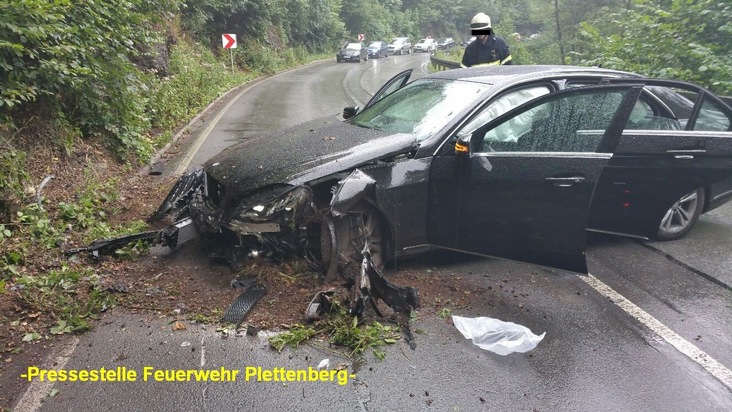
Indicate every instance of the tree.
{"type": "Point", "coordinates": [665, 38]}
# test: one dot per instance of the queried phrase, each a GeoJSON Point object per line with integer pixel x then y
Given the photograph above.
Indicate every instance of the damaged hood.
{"type": "Point", "coordinates": [302, 153]}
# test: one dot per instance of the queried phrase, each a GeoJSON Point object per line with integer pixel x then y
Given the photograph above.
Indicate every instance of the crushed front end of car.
{"type": "Point", "coordinates": [273, 222]}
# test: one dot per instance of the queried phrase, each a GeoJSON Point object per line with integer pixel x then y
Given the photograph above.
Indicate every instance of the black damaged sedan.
{"type": "Point", "coordinates": [514, 162]}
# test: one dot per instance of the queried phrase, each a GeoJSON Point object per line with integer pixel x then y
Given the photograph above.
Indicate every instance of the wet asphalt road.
{"type": "Point", "coordinates": [650, 330]}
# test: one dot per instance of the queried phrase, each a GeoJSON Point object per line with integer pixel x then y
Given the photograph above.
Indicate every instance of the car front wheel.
{"type": "Point", "coordinates": [682, 216]}
{"type": "Point", "coordinates": [341, 244]}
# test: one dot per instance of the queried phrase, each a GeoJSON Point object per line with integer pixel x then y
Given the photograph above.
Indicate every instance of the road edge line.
{"type": "Point", "coordinates": [716, 369]}
{"type": "Point", "coordinates": [38, 391]}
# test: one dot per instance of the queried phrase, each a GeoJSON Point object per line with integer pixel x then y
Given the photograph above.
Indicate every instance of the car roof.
{"type": "Point", "coordinates": [497, 75]}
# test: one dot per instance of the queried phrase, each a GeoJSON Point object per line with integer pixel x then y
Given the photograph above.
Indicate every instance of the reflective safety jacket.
{"type": "Point", "coordinates": [493, 53]}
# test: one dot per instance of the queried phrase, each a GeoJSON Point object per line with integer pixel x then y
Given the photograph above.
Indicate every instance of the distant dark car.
{"type": "Point", "coordinates": [514, 162]}
{"type": "Point", "coordinates": [467, 41]}
{"type": "Point", "coordinates": [354, 52]}
{"type": "Point", "coordinates": [445, 43]}
{"type": "Point", "coordinates": [377, 49]}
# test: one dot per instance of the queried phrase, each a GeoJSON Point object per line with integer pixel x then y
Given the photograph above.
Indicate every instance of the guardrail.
{"type": "Point", "coordinates": [447, 65]}
{"type": "Point", "coordinates": [443, 64]}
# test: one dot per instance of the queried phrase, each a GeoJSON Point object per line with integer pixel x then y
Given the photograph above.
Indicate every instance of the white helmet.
{"type": "Point", "coordinates": [480, 21]}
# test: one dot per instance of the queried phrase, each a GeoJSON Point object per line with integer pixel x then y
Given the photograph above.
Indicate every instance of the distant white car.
{"type": "Point", "coordinates": [400, 45]}
{"type": "Point", "coordinates": [426, 45]}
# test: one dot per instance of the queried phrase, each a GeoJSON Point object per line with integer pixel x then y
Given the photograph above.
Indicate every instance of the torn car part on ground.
{"type": "Point", "coordinates": [239, 309]}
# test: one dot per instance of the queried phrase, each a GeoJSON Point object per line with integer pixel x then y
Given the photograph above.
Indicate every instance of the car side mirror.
{"type": "Point", "coordinates": [462, 145]}
{"type": "Point", "coordinates": [350, 111]}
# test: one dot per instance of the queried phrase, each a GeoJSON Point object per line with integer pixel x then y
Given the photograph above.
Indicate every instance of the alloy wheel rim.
{"type": "Point", "coordinates": [680, 215]}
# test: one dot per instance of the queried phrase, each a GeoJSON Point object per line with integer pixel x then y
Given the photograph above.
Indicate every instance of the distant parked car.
{"type": "Point", "coordinates": [400, 45]}
{"type": "Point", "coordinates": [426, 45]}
{"type": "Point", "coordinates": [378, 49]}
{"type": "Point", "coordinates": [445, 43]}
{"type": "Point", "coordinates": [352, 52]}
{"type": "Point", "coordinates": [467, 41]}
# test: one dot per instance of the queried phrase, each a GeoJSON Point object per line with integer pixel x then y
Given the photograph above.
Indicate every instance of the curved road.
{"type": "Point", "coordinates": [287, 99]}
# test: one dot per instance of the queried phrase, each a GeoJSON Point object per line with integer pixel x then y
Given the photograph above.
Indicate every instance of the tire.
{"type": "Point", "coordinates": [682, 216]}
{"type": "Point", "coordinates": [346, 256]}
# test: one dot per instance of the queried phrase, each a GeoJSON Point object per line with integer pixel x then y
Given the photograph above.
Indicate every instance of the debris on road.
{"type": "Point", "coordinates": [243, 304]}
{"type": "Point", "coordinates": [497, 336]}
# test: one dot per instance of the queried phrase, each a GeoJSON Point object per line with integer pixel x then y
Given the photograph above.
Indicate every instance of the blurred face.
{"type": "Point", "coordinates": [481, 35]}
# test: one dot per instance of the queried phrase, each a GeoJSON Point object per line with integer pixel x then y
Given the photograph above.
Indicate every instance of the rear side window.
{"type": "Point", "coordinates": [712, 118]}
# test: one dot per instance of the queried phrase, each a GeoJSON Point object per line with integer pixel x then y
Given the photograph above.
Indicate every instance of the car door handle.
{"type": "Point", "coordinates": [685, 154]}
{"type": "Point", "coordinates": [565, 181]}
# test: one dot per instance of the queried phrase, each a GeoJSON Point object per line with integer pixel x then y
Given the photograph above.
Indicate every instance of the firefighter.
{"type": "Point", "coordinates": [487, 49]}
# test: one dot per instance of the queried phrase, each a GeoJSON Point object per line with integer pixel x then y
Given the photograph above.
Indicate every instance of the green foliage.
{"type": "Point", "coordinates": [9, 261]}
{"type": "Point", "coordinates": [665, 38]}
{"type": "Point", "coordinates": [36, 224]}
{"type": "Point", "coordinates": [261, 59]}
{"type": "Point", "coordinates": [343, 330]}
{"type": "Point", "coordinates": [196, 79]}
{"type": "Point", "coordinates": [59, 292]}
{"type": "Point", "coordinates": [293, 337]}
{"type": "Point", "coordinates": [77, 56]}
{"type": "Point", "coordinates": [13, 178]}
{"type": "Point", "coordinates": [444, 313]}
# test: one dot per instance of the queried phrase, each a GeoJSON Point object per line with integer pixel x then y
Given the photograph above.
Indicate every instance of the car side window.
{"type": "Point", "coordinates": [712, 118]}
{"type": "Point", "coordinates": [643, 117]}
{"type": "Point", "coordinates": [502, 104]}
{"type": "Point", "coordinates": [571, 123]}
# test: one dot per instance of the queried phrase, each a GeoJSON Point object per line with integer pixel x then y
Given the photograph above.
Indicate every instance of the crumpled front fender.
{"type": "Point", "coordinates": [350, 191]}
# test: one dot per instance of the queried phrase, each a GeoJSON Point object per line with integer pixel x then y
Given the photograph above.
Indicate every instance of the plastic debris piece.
{"type": "Point", "coordinates": [497, 336]}
{"type": "Point", "coordinates": [240, 307]}
{"type": "Point", "coordinates": [325, 363]}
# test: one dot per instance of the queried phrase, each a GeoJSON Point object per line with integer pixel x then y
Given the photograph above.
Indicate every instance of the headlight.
{"type": "Point", "coordinates": [284, 205]}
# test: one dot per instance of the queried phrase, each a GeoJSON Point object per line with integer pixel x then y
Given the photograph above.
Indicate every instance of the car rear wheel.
{"type": "Point", "coordinates": [682, 216]}
{"type": "Point", "coordinates": [341, 245]}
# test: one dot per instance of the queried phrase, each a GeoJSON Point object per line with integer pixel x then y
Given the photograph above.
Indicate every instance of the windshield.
{"type": "Point", "coordinates": [420, 108]}
{"type": "Point", "coordinates": [353, 46]}
{"type": "Point", "coordinates": [375, 44]}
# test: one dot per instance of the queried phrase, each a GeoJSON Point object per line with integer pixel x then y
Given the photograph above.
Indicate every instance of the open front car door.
{"type": "Point", "coordinates": [522, 184]}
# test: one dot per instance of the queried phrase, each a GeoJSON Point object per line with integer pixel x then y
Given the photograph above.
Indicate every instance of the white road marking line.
{"type": "Point", "coordinates": [38, 391]}
{"type": "Point", "coordinates": [715, 368]}
{"type": "Point", "coordinates": [423, 67]}
{"type": "Point", "coordinates": [203, 351]}
{"type": "Point", "coordinates": [203, 136]}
